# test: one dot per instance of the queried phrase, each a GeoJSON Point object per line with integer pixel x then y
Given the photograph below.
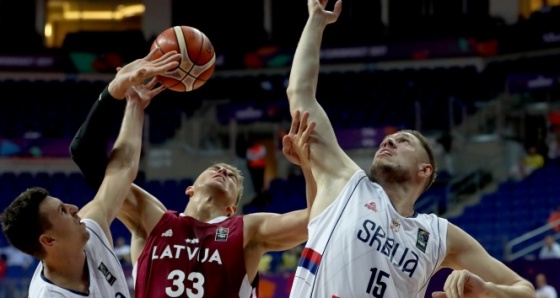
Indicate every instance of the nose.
{"type": "Point", "coordinates": [73, 209]}
{"type": "Point", "coordinates": [223, 171]}
{"type": "Point", "coordinates": [388, 142]}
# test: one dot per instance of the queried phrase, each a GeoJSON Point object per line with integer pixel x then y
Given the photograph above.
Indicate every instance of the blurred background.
{"type": "Point", "coordinates": [481, 79]}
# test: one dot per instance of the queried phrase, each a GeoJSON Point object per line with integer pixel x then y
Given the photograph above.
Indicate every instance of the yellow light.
{"type": "Point", "coordinates": [122, 11]}
{"type": "Point", "coordinates": [48, 30]}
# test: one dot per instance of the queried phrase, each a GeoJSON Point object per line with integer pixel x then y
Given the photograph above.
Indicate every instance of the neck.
{"type": "Point", "coordinates": [402, 196]}
{"type": "Point", "coordinates": [68, 271]}
{"type": "Point", "coordinates": [204, 211]}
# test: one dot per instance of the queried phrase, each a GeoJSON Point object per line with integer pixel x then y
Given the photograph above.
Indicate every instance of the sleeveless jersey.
{"type": "Point", "coordinates": [359, 246]}
{"type": "Point", "coordinates": [184, 257]}
{"type": "Point", "coordinates": [106, 277]}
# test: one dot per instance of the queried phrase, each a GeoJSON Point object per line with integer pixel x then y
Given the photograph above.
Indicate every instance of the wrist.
{"type": "Point", "coordinates": [107, 95]}
{"type": "Point", "coordinates": [317, 21]}
{"type": "Point", "coordinates": [114, 90]}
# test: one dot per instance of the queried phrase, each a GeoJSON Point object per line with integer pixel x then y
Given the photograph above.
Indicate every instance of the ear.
{"type": "Point", "coordinates": [46, 240]}
{"type": "Point", "coordinates": [231, 210]}
{"type": "Point", "coordinates": [425, 170]}
{"type": "Point", "coordinates": [190, 191]}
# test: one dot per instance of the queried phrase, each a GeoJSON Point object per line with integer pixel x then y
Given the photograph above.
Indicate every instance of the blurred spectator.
{"type": "Point", "coordinates": [529, 163]}
{"type": "Point", "coordinates": [446, 141]}
{"type": "Point", "coordinates": [256, 162]}
{"type": "Point", "coordinates": [550, 250]}
{"type": "Point", "coordinates": [122, 250]}
{"type": "Point", "coordinates": [290, 259]}
{"type": "Point", "coordinates": [534, 160]}
{"type": "Point", "coordinates": [14, 257]}
{"type": "Point", "coordinates": [555, 216]}
{"type": "Point", "coordinates": [3, 266]}
{"type": "Point", "coordinates": [554, 146]}
{"type": "Point", "coordinates": [265, 263]}
{"type": "Point", "coordinates": [544, 290]}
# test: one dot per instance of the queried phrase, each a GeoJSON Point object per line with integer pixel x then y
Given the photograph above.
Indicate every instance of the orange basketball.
{"type": "Point", "coordinates": [197, 62]}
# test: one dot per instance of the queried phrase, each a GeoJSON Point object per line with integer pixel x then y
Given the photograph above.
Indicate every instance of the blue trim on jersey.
{"type": "Point", "coordinates": [335, 225]}
{"type": "Point", "coordinates": [101, 239]}
{"type": "Point", "coordinates": [309, 265]}
{"type": "Point", "coordinates": [43, 277]}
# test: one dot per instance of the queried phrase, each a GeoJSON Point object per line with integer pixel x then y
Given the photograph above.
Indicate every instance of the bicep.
{"type": "Point", "coordinates": [464, 252]}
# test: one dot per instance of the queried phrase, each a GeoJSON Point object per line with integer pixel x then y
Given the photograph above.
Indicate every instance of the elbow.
{"type": "Point", "coordinates": [299, 88]}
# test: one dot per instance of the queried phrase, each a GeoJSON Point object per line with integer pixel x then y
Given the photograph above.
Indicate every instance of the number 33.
{"type": "Point", "coordinates": [178, 278]}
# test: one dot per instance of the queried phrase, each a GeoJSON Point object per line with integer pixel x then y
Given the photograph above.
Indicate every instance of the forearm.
{"type": "Point", "coordinates": [521, 289]}
{"type": "Point", "coordinates": [305, 67]}
{"type": "Point", "coordinates": [310, 187]}
{"type": "Point", "coordinates": [89, 146]}
{"type": "Point", "coordinates": [128, 146]}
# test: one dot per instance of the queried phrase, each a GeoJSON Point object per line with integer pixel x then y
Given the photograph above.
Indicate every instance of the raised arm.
{"type": "Point", "coordinates": [476, 273]}
{"type": "Point", "coordinates": [123, 162]}
{"type": "Point", "coordinates": [88, 148]}
{"type": "Point", "coordinates": [330, 166]}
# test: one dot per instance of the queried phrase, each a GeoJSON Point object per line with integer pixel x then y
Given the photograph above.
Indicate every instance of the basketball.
{"type": "Point", "coordinates": [198, 58]}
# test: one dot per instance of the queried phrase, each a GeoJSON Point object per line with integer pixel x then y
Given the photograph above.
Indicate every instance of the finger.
{"type": "Point", "coordinates": [152, 83]}
{"type": "Point", "coordinates": [337, 8]}
{"type": "Point", "coordinates": [286, 143]}
{"type": "Point", "coordinates": [438, 294]}
{"type": "Point", "coordinates": [167, 62]}
{"type": "Point", "coordinates": [461, 281]}
{"type": "Point", "coordinates": [303, 123]}
{"type": "Point", "coordinates": [448, 283]}
{"type": "Point", "coordinates": [166, 58]}
{"type": "Point", "coordinates": [151, 54]}
{"type": "Point", "coordinates": [295, 123]}
{"type": "Point", "coordinates": [157, 90]}
{"type": "Point", "coordinates": [119, 68]}
{"type": "Point", "coordinates": [452, 291]}
{"type": "Point", "coordinates": [307, 133]}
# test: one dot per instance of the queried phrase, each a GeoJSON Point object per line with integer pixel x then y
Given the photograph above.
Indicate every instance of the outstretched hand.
{"type": "Point", "coordinates": [462, 284]}
{"type": "Point", "coordinates": [317, 8]}
{"type": "Point", "coordinates": [144, 93]}
{"type": "Point", "coordinates": [139, 70]}
{"type": "Point", "coordinates": [295, 145]}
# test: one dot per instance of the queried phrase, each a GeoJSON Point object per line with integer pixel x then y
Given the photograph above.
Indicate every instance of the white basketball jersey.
{"type": "Point", "coordinates": [360, 246]}
{"type": "Point", "coordinates": [106, 277]}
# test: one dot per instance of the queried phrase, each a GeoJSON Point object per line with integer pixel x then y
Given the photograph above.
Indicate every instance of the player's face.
{"type": "Point", "coordinates": [398, 159]}
{"type": "Point", "coordinates": [66, 226]}
{"type": "Point", "coordinates": [219, 180]}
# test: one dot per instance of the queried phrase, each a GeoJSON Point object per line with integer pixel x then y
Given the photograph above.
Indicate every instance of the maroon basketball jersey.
{"type": "Point", "coordinates": [185, 257]}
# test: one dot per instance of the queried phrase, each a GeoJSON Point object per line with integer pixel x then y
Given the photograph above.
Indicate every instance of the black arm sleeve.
{"type": "Point", "coordinates": [89, 146]}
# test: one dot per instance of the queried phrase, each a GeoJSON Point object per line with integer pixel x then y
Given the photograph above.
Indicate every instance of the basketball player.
{"type": "Point", "coordinates": [75, 246]}
{"type": "Point", "coordinates": [205, 251]}
{"type": "Point", "coordinates": [365, 239]}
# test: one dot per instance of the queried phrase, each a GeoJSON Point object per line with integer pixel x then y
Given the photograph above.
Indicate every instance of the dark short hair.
{"type": "Point", "coordinates": [426, 145]}
{"type": "Point", "coordinates": [22, 223]}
